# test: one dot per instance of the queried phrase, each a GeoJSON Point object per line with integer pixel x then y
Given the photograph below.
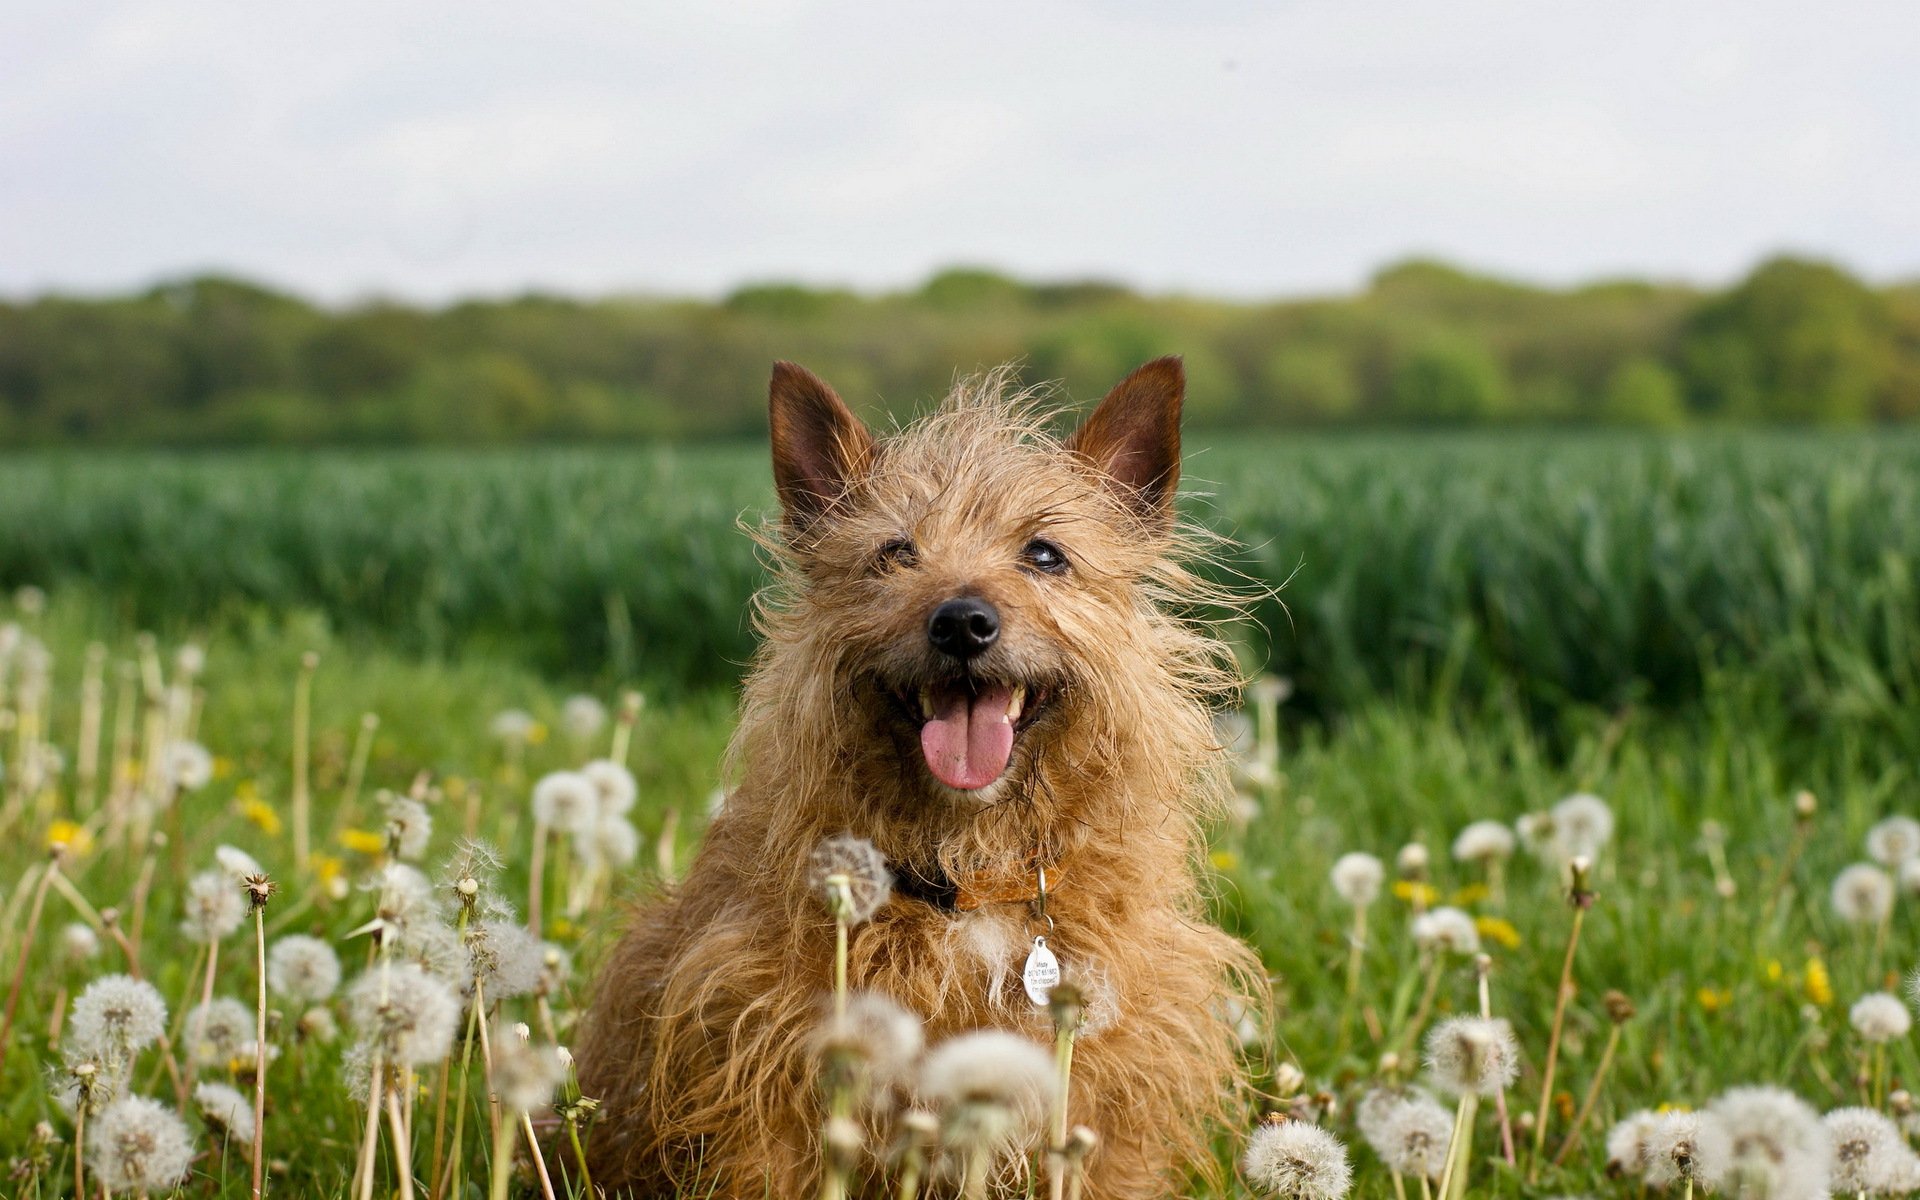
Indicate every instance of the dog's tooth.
{"type": "Point", "coordinates": [926, 703]}
{"type": "Point", "coordinates": [1018, 704]}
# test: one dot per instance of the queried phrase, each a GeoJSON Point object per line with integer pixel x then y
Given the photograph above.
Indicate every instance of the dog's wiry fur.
{"type": "Point", "coordinates": [697, 1039]}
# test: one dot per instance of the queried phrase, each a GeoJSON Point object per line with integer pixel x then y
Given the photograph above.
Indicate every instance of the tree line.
{"type": "Point", "coordinates": [215, 360]}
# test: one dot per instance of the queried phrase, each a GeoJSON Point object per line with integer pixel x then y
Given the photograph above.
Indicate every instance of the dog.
{"type": "Point", "coordinates": [976, 655]}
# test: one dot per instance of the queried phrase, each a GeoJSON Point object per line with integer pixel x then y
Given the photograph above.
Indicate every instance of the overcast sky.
{"type": "Point", "coordinates": [428, 149]}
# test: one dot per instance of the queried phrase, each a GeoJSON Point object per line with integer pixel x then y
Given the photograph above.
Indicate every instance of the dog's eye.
{"type": "Point", "coordinates": [899, 552]}
{"type": "Point", "coordinates": [1044, 556]}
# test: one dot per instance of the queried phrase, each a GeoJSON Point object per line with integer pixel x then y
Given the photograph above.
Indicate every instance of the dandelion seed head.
{"type": "Point", "coordinates": [504, 958]}
{"type": "Point", "coordinates": [237, 862]}
{"type": "Point", "coordinates": [1894, 841]}
{"type": "Point", "coordinates": [215, 907]}
{"type": "Point", "coordinates": [1414, 1138]}
{"type": "Point", "coordinates": [614, 841]}
{"type": "Point", "coordinates": [1868, 1151]}
{"type": "Point", "coordinates": [115, 1017]}
{"type": "Point", "coordinates": [317, 1025]}
{"type": "Point", "coordinates": [1536, 832]}
{"type": "Point", "coordinates": [1677, 1146]}
{"type": "Point", "coordinates": [613, 784]}
{"type": "Point", "coordinates": [437, 950]}
{"type": "Point", "coordinates": [1776, 1144]}
{"type": "Point", "coordinates": [1376, 1108]}
{"type": "Point", "coordinates": [1880, 1017]}
{"type": "Point", "coordinates": [1483, 842]}
{"type": "Point", "coordinates": [1412, 860]}
{"type": "Point", "coordinates": [869, 883]}
{"type": "Point", "coordinates": [1357, 877]}
{"type": "Point", "coordinates": [1473, 1054]}
{"type": "Point", "coordinates": [409, 826]}
{"type": "Point", "coordinates": [139, 1145]}
{"type": "Point", "coordinates": [1909, 876]}
{"type": "Point", "coordinates": [882, 1040]}
{"type": "Point", "coordinates": [187, 766]}
{"type": "Point", "coordinates": [1627, 1143]}
{"type": "Point", "coordinates": [1582, 825]}
{"type": "Point", "coordinates": [416, 1021]}
{"type": "Point", "coordinates": [226, 1111]}
{"type": "Point", "coordinates": [1297, 1160]}
{"type": "Point", "coordinates": [404, 895]}
{"type": "Point", "coordinates": [512, 725]}
{"type": "Point", "coordinates": [525, 1073]}
{"type": "Point", "coordinates": [1863, 894]}
{"type": "Point", "coordinates": [556, 967]}
{"type": "Point", "coordinates": [1446, 930]}
{"type": "Point", "coordinates": [302, 968]}
{"type": "Point", "coordinates": [214, 1030]}
{"type": "Point", "coordinates": [990, 1087]}
{"type": "Point", "coordinates": [79, 943]}
{"type": "Point", "coordinates": [582, 716]}
{"type": "Point", "coordinates": [566, 802]}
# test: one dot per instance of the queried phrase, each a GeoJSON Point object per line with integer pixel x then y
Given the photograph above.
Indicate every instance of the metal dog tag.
{"type": "Point", "coordinates": [1041, 972]}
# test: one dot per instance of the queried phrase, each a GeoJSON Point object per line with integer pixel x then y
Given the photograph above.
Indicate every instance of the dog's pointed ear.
{"type": "Point", "coordinates": [819, 446]}
{"type": "Point", "coordinates": [1134, 437]}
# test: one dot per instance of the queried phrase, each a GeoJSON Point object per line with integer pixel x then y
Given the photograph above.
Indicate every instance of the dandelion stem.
{"type": "Point", "coordinates": [536, 880]}
{"type": "Point", "coordinates": [1356, 952]}
{"type": "Point", "coordinates": [26, 949]}
{"type": "Point", "coordinates": [302, 795]}
{"type": "Point", "coordinates": [1411, 1033]}
{"type": "Point", "coordinates": [259, 1046]}
{"type": "Point", "coordinates": [1591, 1098]}
{"type": "Point", "coordinates": [1543, 1114]}
{"type": "Point", "coordinates": [503, 1135]}
{"type": "Point", "coordinates": [402, 1145]}
{"type": "Point", "coordinates": [580, 1156]}
{"type": "Point", "coordinates": [1399, 1185]}
{"type": "Point", "coordinates": [539, 1159]}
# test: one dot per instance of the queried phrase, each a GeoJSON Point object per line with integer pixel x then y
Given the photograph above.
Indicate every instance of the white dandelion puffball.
{"type": "Point", "coordinates": [1627, 1142]}
{"type": "Point", "coordinates": [1297, 1160]}
{"type": "Point", "coordinates": [613, 841]}
{"type": "Point", "coordinates": [882, 1037]}
{"type": "Point", "coordinates": [1677, 1146]}
{"type": "Point", "coordinates": [214, 1031]}
{"type": "Point", "coordinates": [409, 826]}
{"type": "Point", "coordinates": [512, 725]}
{"type": "Point", "coordinates": [1582, 825]}
{"type": "Point", "coordinates": [991, 1088]}
{"type": "Point", "coordinates": [1483, 842]}
{"type": "Point", "coordinates": [188, 766]}
{"type": "Point", "coordinates": [1415, 1136]}
{"type": "Point", "coordinates": [237, 863]}
{"type": "Point", "coordinates": [405, 895]}
{"type": "Point", "coordinates": [1473, 1054]}
{"type": "Point", "coordinates": [614, 784]}
{"type": "Point", "coordinates": [869, 883]}
{"type": "Point", "coordinates": [1868, 1152]}
{"type": "Point", "coordinates": [566, 801]}
{"type": "Point", "coordinates": [303, 969]}
{"type": "Point", "coordinates": [1894, 841]}
{"type": "Point", "coordinates": [215, 907]}
{"type": "Point", "coordinates": [524, 1074]}
{"type": "Point", "coordinates": [1535, 831]}
{"type": "Point", "coordinates": [1910, 877]}
{"type": "Point", "coordinates": [1412, 860]}
{"type": "Point", "coordinates": [1446, 930]}
{"type": "Point", "coordinates": [1377, 1107]}
{"type": "Point", "coordinates": [1863, 894]}
{"type": "Point", "coordinates": [1776, 1141]}
{"type": "Point", "coordinates": [412, 1014]}
{"type": "Point", "coordinates": [582, 716]}
{"type": "Point", "coordinates": [139, 1146]}
{"type": "Point", "coordinates": [78, 942]}
{"type": "Point", "coordinates": [504, 958]}
{"type": "Point", "coordinates": [1357, 878]}
{"type": "Point", "coordinates": [1880, 1017]}
{"type": "Point", "coordinates": [226, 1110]}
{"type": "Point", "coordinates": [116, 1017]}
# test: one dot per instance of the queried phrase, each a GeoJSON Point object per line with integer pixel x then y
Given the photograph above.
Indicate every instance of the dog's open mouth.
{"type": "Point", "coordinates": [968, 726]}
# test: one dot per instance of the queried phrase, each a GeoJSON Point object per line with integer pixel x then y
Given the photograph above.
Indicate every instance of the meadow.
{"type": "Point", "coordinates": [1718, 634]}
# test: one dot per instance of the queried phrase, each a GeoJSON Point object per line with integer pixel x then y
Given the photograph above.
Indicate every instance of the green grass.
{"type": "Point", "coordinates": [1382, 775]}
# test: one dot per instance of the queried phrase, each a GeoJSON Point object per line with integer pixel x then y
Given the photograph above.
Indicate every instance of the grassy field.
{"type": "Point", "coordinates": [1696, 631]}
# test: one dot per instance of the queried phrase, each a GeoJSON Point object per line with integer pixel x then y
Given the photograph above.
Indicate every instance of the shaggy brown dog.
{"type": "Point", "coordinates": [972, 658]}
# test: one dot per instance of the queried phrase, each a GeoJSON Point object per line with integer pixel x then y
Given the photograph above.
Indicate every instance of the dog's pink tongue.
{"type": "Point", "coordinates": [969, 741]}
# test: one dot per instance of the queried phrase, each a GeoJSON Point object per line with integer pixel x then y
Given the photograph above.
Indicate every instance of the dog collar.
{"type": "Point", "coordinates": [972, 889]}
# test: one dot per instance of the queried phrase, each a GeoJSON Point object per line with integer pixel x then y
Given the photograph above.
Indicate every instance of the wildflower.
{"type": "Point", "coordinates": [215, 907]}
{"type": "Point", "coordinates": [416, 1019]}
{"type": "Point", "coordinates": [1909, 873]}
{"type": "Point", "coordinates": [524, 1074]}
{"type": "Point", "coordinates": [848, 872]}
{"type": "Point", "coordinates": [1582, 825]}
{"type": "Point", "coordinates": [1712, 999]}
{"type": "Point", "coordinates": [78, 942]}
{"type": "Point", "coordinates": [1447, 931]}
{"type": "Point", "coordinates": [226, 1111]}
{"type": "Point", "coordinates": [258, 889]}
{"type": "Point", "coordinates": [566, 801]}
{"type": "Point", "coordinates": [582, 717]}
{"type": "Point", "coordinates": [1894, 841]}
{"type": "Point", "coordinates": [613, 784]}
{"type": "Point", "coordinates": [1863, 894]}
{"type": "Point", "coordinates": [214, 1030]}
{"type": "Point", "coordinates": [1777, 1147]}
{"type": "Point", "coordinates": [318, 1025]}
{"type": "Point", "coordinates": [1868, 1151]}
{"type": "Point", "coordinates": [875, 1041]}
{"type": "Point", "coordinates": [1497, 929]}
{"type": "Point", "coordinates": [259, 814]}
{"type": "Point", "coordinates": [1357, 877]}
{"type": "Point", "coordinates": [409, 826]}
{"type": "Point", "coordinates": [139, 1145]}
{"type": "Point", "coordinates": [1880, 1017]}
{"type": "Point", "coordinates": [188, 766]}
{"type": "Point", "coordinates": [614, 841]}
{"type": "Point", "coordinates": [77, 838]}
{"type": "Point", "coordinates": [303, 969]}
{"type": "Point", "coordinates": [405, 897]}
{"type": "Point", "coordinates": [1482, 842]}
{"type": "Point", "coordinates": [991, 1088]}
{"type": "Point", "coordinates": [1414, 1138]}
{"type": "Point", "coordinates": [1376, 1109]}
{"type": "Point", "coordinates": [363, 841]}
{"type": "Point", "coordinates": [1297, 1160]}
{"type": "Point", "coordinates": [512, 725]}
{"type": "Point", "coordinates": [1473, 1054]}
{"type": "Point", "coordinates": [237, 862]}
{"type": "Point", "coordinates": [1412, 861]}
{"type": "Point", "coordinates": [115, 1018]}
{"type": "Point", "coordinates": [1420, 895]}
{"type": "Point", "coordinates": [1818, 984]}
{"type": "Point", "coordinates": [503, 957]}
{"type": "Point", "coordinates": [1677, 1146]}
{"type": "Point", "coordinates": [555, 966]}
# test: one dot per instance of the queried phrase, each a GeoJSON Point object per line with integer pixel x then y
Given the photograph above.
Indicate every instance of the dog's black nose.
{"type": "Point", "coordinates": [963, 627]}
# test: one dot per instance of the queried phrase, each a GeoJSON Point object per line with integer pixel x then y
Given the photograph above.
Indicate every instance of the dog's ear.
{"type": "Point", "coordinates": [1134, 437]}
{"type": "Point", "coordinates": [819, 446]}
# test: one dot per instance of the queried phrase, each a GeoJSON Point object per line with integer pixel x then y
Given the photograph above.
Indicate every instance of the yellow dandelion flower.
{"type": "Point", "coordinates": [363, 841]}
{"type": "Point", "coordinates": [1498, 929]}
{"type": "Point", "coordinates": [1713, 1000]}
{"type": "Point", "coordinates": [77, 837]}
{"type": "Point", "coordinates": [562, 930]}
{"type": "Point", "coordinates": [537, 733]}
{"type": "Point", "coordinates": [222, 766]}
{"type": "Point", "coordinates": [1473, 893]}
{"type": "Point", "coordinates": [1225, 860]}
{"type": "Point", "coordinates": [1817, 983]}
{"type": "Point", "coordinates": [1411, 891]}
{"type": "Point", "coordinates": [260, 815]}
{"type": "Point", "coordinates": [1774, 971]}
{"type": "Point", "coordinates": [455, 786]}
